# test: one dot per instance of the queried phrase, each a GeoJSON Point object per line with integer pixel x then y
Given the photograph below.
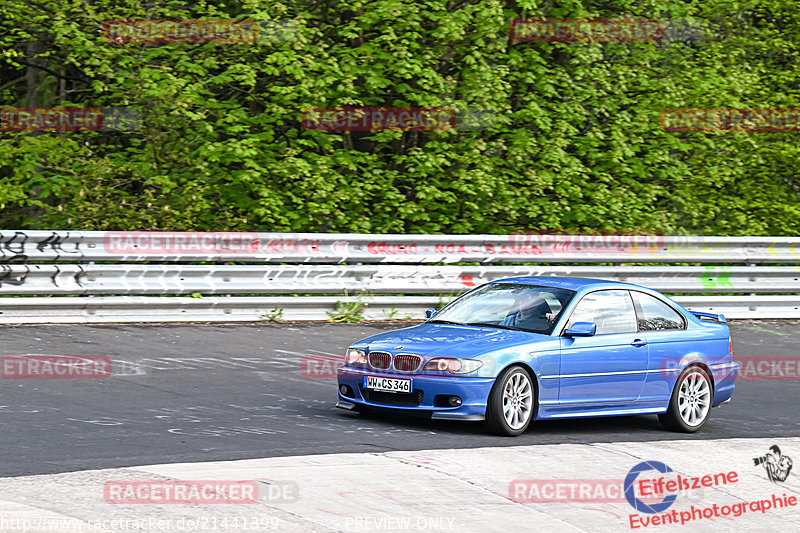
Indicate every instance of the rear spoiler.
{"type": "Point", "coordinates": [719, 318]}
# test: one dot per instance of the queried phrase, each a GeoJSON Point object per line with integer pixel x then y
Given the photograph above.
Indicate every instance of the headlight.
{"type": "Point", "coordinates": [355, 356]}
{"type": "Point", "coordinates": [453, 365]}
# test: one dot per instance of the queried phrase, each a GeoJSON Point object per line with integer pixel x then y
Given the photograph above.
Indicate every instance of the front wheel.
{"type": "Point", "coordinates": [509, 410]}
{"type": "Point", "coordinates": [691, 401]}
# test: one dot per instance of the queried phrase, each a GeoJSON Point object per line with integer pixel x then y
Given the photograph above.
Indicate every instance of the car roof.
{"type": "Point", "coordinates": [573, 284]}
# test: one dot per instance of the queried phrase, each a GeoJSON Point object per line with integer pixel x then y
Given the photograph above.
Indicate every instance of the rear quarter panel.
{"type": "Point", "coordinates": [670, 352]}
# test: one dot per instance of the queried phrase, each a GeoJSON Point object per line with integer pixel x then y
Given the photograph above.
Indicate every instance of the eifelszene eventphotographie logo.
{"type": "Point", "coordinates": [776, 464]}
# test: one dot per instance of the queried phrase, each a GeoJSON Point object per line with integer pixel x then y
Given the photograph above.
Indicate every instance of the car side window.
{"type": "Point", "coordinates": [612, 311]}
{"type": "Point", "coordinates": [655, 315]}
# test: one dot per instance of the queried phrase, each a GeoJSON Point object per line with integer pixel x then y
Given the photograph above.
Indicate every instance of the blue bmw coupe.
{"type": "Point", "coordinates": [534, 348]}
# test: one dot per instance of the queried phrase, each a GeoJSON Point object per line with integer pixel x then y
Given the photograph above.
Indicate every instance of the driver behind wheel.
{"type": "Point", "coordinates": [530, 311]}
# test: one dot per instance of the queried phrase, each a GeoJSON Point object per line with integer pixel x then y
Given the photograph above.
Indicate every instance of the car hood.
{"type": "Point", "coordinates": [449, 340]}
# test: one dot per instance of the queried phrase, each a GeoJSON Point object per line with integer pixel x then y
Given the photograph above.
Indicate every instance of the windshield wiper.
{"type": "Point", "coordinates": [446, 322]}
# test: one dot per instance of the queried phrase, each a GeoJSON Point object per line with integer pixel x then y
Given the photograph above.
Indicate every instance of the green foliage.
{"type": "Point", "coordinates": [390, 314]}
{"type": "Point", "coordinates": [575, 142]}
{"type": "Point", "coordinates": [275, 315]}
{"type": "Point", "coordinates": [348, 311]}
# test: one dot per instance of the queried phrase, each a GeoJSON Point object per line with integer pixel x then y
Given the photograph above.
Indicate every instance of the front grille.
{"type": "Point", "coordinates": [380, 360]}
{"type": "Point", "coordinates": [393, 398]}
{"type": "Point", "coordinates": [406, 362]}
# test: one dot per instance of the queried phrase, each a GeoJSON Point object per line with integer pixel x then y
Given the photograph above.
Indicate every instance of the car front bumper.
{"type": "Point", "coordinates": [472, 391]}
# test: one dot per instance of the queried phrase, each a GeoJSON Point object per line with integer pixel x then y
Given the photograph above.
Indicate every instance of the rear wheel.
{"type": "Point", "coordinates": [691, 401]}
{"type": "Point", "coordinates": [510, 408]}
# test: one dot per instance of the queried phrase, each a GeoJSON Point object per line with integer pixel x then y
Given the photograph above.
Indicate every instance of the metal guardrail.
{"type": "Point", "coordinates": [111, 276]}
{"type": "Point", "coordinates": [372, 279]}
{"type": "Point", "coordinates": [25, 246]}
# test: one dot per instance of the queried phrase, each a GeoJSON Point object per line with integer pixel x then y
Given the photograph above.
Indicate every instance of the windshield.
{"type": "Point", "coordinates": [508, 306]}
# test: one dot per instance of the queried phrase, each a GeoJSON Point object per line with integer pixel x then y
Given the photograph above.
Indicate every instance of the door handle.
{"type": "Point", "coordinates": [638, 342]}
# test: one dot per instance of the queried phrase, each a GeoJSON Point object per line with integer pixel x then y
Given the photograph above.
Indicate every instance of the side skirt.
{"type": "Point", "coordinates": [586, 413]}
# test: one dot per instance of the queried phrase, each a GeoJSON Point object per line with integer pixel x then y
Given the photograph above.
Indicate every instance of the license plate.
{"type": "Point", "coordinates": [387, 384]}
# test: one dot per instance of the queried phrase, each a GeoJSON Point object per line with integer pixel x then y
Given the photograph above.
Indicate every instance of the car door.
{"type": "Point", "coordinates": [608, 369]}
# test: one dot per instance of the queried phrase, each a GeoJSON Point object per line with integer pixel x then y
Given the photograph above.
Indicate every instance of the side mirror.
{"type": "Point", "coordinates": [430, 312]}
{"type": "Point", "coordinates": [581, 329]}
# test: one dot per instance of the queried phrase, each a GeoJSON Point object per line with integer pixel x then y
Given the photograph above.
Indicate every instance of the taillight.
{"type": "Point", "coordinates": [730, 346]}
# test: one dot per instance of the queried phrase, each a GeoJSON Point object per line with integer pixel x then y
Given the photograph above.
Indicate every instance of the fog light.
{"type": "Point", "coordinates": [346, 390]}
{"type": "Point", "coordinates": [343, 389]}
{"type": "Point", "coordinates": [455, 401]}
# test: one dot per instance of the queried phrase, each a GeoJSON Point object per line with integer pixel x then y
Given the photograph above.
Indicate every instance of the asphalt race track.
{"type": "Point", "coordinates": [204, 392]}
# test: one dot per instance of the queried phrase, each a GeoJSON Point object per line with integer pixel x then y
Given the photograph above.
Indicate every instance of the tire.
{"type": "Point", "coordinates": [514, 389]}
{"type": "Point", "coordinates": [689, 409]}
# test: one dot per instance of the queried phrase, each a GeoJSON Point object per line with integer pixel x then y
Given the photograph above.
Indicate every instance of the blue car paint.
{"type": "Point", "coordinates": [622, 377]}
